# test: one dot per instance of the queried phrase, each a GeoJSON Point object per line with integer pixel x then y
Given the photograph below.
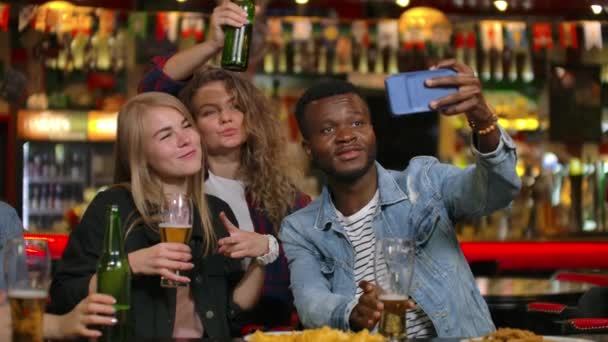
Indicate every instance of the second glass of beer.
{"type": "Point", "coordinates": [175, 225]}
{"type": "Point", "coordinates": [28, 276]}
{"type": "Point", "coordinates": [393, 268]}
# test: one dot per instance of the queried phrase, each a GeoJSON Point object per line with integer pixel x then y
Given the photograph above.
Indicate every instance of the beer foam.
{"type": "Point", "coordinates": [393, 297]}
{"type": "Point", "coordinates": [175, 226]}
{"type": "Point", "coordinates": [27, 293]}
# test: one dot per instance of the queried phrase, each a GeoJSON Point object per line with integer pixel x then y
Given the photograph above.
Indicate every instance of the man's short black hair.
{"type": "Point", "coordinates": [321, 90]}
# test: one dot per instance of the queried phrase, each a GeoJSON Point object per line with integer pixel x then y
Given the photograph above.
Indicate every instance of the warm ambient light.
{"type": "Point", "coordinates": [181, 0]}
{"type": "Point", "coordinates": [501, 5]}
{"type": "Point", "coordinates": [58, 5]}
{"type": "Point", "coordinates": [301, 2]}
{"type": "Point", "coordinates": [403, 3]}
{"type": "Point", "coordinates": [596, 9]}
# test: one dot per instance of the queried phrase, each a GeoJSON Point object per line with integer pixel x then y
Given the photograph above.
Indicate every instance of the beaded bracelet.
{"type": "Point", "coordinates": [486, 130]}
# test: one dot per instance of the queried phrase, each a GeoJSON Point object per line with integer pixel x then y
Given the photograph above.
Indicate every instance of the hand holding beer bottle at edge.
{"type": "Point", "coordinates": [233, 32]}
{"type": "Point", "coordinates": [114, 276]}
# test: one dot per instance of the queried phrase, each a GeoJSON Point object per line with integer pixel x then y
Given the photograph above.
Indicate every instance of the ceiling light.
{"type": "Point", "coordinates": [181, 0]}
{"type": "Point", "coordinates": [403, 3]}
{"type": "Point", "coordinates": [301, 2]}
{"type": "Point", "coordinates": [501, 5]}
{"type": "Point", "coordinates": [596, 9]}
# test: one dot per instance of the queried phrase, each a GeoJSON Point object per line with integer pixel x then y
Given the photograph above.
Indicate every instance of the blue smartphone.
{"type": "Point", "coordinates": [407, 93]}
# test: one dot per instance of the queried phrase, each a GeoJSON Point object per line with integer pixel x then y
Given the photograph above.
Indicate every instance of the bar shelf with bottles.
{"type": "Point", "coordinates": [53, 182]}
{"type": "Point", "coordinates": [65, 155]}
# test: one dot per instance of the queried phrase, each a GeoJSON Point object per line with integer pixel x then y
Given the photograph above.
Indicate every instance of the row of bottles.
{"type": "Point", "coordinates": [311, 57]}
{"type": "Point", "coordinates": [53, 164]}
{"type": "Point", "coordinates": [319, 58]}
{"type": "Point", "coordinates": [82, 51]}
{"type": "Point", "coordinates": [54, 198]}
{"type": "Point", "coordinates": [55, 178]}
{"type": "Point", "coordinates": [556, 200]}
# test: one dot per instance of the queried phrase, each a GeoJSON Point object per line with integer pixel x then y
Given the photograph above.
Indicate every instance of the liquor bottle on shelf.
{"type": "Point", "coordinates": [269, 62]}
{"type": "Point", "coordinates": [527, 72]}
{"type": "Point", "coordinates": [379, 61]}
{"type": "Point", "coordinates": [50, 201]}
{"type": "Point", "coordinates": [76, 166]}
{"type": "Point", "coordinates": [363, 62]}
{"type": "Point", "coordinates": [496, 62]}
{"type": "Point", "coordinates": [393, 67]}
{"type": "Point", "coordinates": [283, 58]}
{"type": "Point", "coordinates": [297, 57]}
{"type": "Point", "coordinates": [34, 199]}
{"type": "Point", "coordinates": [52, 166]}
{"type": "Point", "coordinates": [45, 166]}
{"type": "Point", "coordinates": [42, 203]}
{"type": "Point", "coordinates": [372, 55]}
{"type": "Point", "coordinates": [310, 56]}
{"type": "Point", "coordinates": [322, 60]}
{"type": "Point", "coordinates": [59, 196]}
{"type": "Point", "coordinates": [486, 73]}
{"type": "Point", "coordinates": [289, 56]}
{"type": "Point", "coordinates": [356, 55]}
{"type": "Point", "coordinates": [511, 62]}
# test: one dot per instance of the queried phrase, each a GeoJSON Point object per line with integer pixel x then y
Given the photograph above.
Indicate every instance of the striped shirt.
{"type": "Point", "coordinates": [359, 230]}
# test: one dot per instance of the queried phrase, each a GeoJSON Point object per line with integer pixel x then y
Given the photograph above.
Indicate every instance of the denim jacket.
{"type": "Point", "coordinates": [419, 203]}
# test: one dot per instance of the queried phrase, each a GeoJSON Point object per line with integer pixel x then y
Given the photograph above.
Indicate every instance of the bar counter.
{"type": "Point", "coordinates": [508, 255]}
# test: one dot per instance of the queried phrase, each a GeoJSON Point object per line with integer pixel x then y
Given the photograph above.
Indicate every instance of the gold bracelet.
{"type": "Point", "coordinates": [486, 130]}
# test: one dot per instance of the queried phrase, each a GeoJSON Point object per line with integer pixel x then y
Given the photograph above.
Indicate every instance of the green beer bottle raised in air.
{"type": "Point", "coordinates": [114, 277]}
{"type": "Point", "coordinates": [237, 41]}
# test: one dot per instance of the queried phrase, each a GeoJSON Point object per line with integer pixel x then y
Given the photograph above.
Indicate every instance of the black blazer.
{"type": "Point", "coordinates": [152, 307]}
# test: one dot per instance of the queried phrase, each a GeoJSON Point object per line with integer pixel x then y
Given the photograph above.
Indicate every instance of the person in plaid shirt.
{"type": "Point", "coordinates": [246, 157]}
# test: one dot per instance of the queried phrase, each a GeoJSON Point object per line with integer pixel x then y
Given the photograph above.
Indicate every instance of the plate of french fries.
{"type": "Point", "coordinates": [520, 335]}
{"type": "Point", "coordinates": [324, 334]}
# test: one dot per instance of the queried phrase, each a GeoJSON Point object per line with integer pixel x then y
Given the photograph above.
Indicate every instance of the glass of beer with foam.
{"type": "Point", "coordinates": [175, 225]}
{"type": "Point", "coordinates": [393, 269]}
{"type": "Point", "coordinates": [28, 276]}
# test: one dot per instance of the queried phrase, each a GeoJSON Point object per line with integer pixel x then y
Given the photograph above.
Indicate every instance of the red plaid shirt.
{"type": "Point", "coordinates": [156, 80]}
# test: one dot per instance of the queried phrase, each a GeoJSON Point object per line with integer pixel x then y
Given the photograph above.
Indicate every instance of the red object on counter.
{"type": "Point", "coordinates": [56, 242]}
{"type": "Point", "coordinates": [589, 323]}
{"type": "Point", "coordinates": [595, 279]}
{"type": "Point", "coordinates": [555, 308]}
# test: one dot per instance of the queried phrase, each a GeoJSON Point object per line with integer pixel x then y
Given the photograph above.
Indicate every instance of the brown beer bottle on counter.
{"type": "Point", "coordinates": [114, 277]}
{"type": "Point", "coordinates": [237, 41]}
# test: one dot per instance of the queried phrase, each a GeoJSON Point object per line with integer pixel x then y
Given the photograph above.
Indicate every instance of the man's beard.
{"type": "Point", "coordinates": [349, 176]}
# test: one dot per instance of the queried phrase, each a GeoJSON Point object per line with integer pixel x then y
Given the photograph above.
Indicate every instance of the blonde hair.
{"type": "Point", "coordinates": [131, 167]}
{"type": "Point", "coordinates": [265, 167]}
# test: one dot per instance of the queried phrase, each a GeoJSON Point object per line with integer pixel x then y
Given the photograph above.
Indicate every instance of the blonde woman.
{"type": "Point", "coordinates": [158, 151]}
{"type": "Point", "coordinates": [246, 160]}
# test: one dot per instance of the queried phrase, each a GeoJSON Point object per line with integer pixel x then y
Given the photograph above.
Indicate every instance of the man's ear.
{"type": "Point", "coordinates": [306, 147]}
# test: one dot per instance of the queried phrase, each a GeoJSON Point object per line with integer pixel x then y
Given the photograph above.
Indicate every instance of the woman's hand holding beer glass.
{"type": "Point", "coordinates": [28, 276]}
{"type": "Point", "coordinates": [175, 227]}
{"type": "Point", "coordinates": [173, 253]}
{"type": "Point", "coordinates": [162, 259]}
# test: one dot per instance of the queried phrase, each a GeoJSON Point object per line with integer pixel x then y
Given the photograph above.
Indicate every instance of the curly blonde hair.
{"type": "Point", "coordinates": [264, 168]}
